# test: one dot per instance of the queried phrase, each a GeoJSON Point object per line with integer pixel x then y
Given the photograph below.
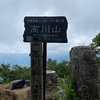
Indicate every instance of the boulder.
{"type": "Point", "coordinates": [84, 71]}
{"type": "Point", "coordinates": [7, 86]}
{"type": "Point", "coordinates": [24, 93]}
{"type": "Point", "coordinates": [28, 82]}
{"type": "Point", "coordinates": [6, 94]}
{"type": "Point", "coordinates": [51, 78]}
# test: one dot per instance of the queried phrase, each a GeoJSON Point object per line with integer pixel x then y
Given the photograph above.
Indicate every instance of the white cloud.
{"type": "Point", "coordinates": [83, 22]}
{"type": "Point", "coordinates": [16, 48]}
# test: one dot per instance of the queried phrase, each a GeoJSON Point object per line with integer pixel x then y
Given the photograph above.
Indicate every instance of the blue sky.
{"type": "Point", "coordinates": [83, 23]}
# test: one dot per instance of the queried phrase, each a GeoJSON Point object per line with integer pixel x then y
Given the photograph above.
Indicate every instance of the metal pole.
{"type": "Point", "coordinates": [36, 71]}
{"type": "Point", "coordinates": [44, 68]}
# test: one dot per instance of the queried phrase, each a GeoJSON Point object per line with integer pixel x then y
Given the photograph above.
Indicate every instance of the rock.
{"type": "Point", "coordinates": [24, 93]}
{"type": "Point", "coordinates": [51, 78]}
{"type": "Point", "coordinates": [48, 97]}
{"type": "Point", "coordinates": [28, 82]}
{"type": "Point", "coordinates": [17, 94]}
{"type": "Point", "coordinates": [7, 86]}
{"type": "Point", "coordinates": [6, 94]}
{"type": "Point", "coordinates": [84, 71]}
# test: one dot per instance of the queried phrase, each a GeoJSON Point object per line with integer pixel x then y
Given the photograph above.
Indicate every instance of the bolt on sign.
{"type": "Point", "coordinates": [45, 29]}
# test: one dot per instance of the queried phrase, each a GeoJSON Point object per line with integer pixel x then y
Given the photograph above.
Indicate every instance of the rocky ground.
{"type": "Point", "coordinates": [6, 92]}
{"type": "Point", "coordinates": [23, 93]}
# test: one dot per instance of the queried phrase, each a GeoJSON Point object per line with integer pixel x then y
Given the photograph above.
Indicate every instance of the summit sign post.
{"type": "Point", "coordinates": [45, 29]}
{"type": "Point", "coordinates": [39, 31]}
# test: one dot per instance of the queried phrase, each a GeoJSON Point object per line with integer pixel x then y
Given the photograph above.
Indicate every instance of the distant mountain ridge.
{"type": "Point", "coordinates": [24, 59]}
{"type": "Point", "coordinates": [13, 59]}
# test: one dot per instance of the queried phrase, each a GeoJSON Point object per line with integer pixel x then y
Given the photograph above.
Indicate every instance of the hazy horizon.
{"type": "Point", "coordinates": [23, 59]}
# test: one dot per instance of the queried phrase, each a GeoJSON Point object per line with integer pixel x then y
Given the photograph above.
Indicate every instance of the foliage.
{"type": "Point", "coordinates": [95, 45]}
{"type": "Point", "coordinates": [8, 73]}
{"type": "Point", "coordinates": [59, 96]}
{"type": "Point", "coordinates": [64, 80]}
{"type": "Point", "coordinates": [62, 68]}
{"type": "Point", "coordinates": [67, 85]}
{"type": "Point", "coordinates": [4, 72]}
{"type": "Point", "coordinates": [51, 64]}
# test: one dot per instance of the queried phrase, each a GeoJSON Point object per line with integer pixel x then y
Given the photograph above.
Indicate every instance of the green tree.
{"type": "Point", "coordinates": [51, 64]}
{"type": "Point", "coordinates": [20, 72]}
{"type": "Point", "coordinates": [67, 86]}
{"type": "Point", "coordinates": [15, 72]}
{"type": "Point", "coordinates": [62, 68]}
{"type": "Point", "coordinates": [5, 72]}
{"type": "Point", "coordinates": [95, 45]}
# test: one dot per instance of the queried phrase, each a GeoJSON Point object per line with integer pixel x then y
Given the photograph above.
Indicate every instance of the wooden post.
{"type": "Point", "coordinates": [36, 71]}
{"type": "Point", "coordinates": [44, 68]}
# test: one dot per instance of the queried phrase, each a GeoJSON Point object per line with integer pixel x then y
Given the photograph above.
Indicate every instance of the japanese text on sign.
{"type": "Point", "coordinates": [45, 29]}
